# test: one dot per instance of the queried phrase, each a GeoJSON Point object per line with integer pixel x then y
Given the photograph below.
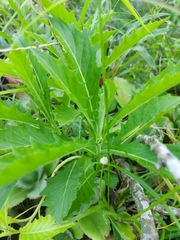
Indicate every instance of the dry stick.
{"type": "Point", "coordinates": [147, 222]}
{"type": "Point", "coordinates": [160, 209]}
{"type": "Point", "coordinates": [165, 157]}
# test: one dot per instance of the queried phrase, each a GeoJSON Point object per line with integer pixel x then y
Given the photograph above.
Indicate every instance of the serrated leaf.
{"type": "Point", "coordinates": [27, 69]}
{"type": "Point", "coordinates": [54, 8]}
{"type": "Point", "coordinates": [44, 40]}
{"type": "Point", "coordinates": [13, 114]}
{"type": "Point", "coordinates": [130, 41]}
{"type": "Point", "coordinates": [106, 36]}
{"type": "Point", "coordinates": [145, 18]}
{"type": "Point", "coordinates": [96, 226]}
{"type": "Point", "coordinates": [157, 85]}
{"type": "Point", "coordinates": [64, 114]}
{"type": "Point", "coordinates": [66, 79]}
{"type": "Point", "coordinates": [146, 115]}
{"type": "Point", "coordinates": [6, 68]}
{"type": "Point", "coordinates": [80, 56]}
{"type": "Point", "coordinates": [18, 136]}
{"type": "Point", "coordinates": [86, 189]}
{"type": "Point", "coordinates": [42, 229]}
{"type": "Point", "coordinates": [24, 160]}
{"type": "Point", "coordinates": [140, 153]}
{"type": "Point", "coordinates": [62, 189]}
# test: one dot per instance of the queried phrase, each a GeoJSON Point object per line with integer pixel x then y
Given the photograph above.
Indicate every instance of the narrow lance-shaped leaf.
{"type": "Point", "coordinates": [157, 85]}
{"type": "Point", "coordinates": [24, 160]}
{"type": "Point", "coordinates": [146, 115]}
{"type": "Point", "coordinates": [134, 12]}
{"type": "Point", "coordinates": [22, 136]}
{"type": "Point", "coordinates": [13, 114]}
{"type": "Point", "coordinates": [130, 41]}
{"type": "Point", "coordinates": [16, 8]}
{"type": "Point", "coordinates": [138, 152]}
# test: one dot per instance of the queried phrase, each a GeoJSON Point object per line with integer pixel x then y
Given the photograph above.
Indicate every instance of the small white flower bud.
{"type": "Point", "coordinates": [104, 160]}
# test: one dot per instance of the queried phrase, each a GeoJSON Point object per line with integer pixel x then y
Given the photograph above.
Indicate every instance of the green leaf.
{"type": "Point", "coordinates": [106, 36]}
{"type": "Point", "coordinates": [122, 230]}
{"type": "Point", "coordinates": [17, 196]}
{"type": "Point", "coordinates": [114, 180]}
{"type": "Point", "coordinates": [61, 190]}
{"type": "Point", "coordinates": [101, 112]}
{"type": "Point", "coordinates": [129, 41]}
{"type": "Point", "coordinates": [65, 114]}
{"type": "Point", "coordinates": [147, 57]}
{"type": "Point", "coordinates": [5, 191]}
{"type": "Point", "coordinates": [32, 74]}
{"type": "Point", "coordinates": [134, 13]}
{"type": "Point", "coordinates": [80, 56]}
{"type": "Point", "coordinates": [24, 160]}
{"type": "Point", "coordinates": [73, 83]}
{"type": "Point", "coordinates": [5, 222]}
{"type": "Point", "coordinates": [87, 185]}
{"type": "Point", "coordinates": [12, 4]}
{"type": "Point", "coordinates": [43, 39]}
{"type": "Point", "coordinates": [54, 8]}
{"type": "Point", "coordinates": [6, 68]}
{"type": "Point", "coordinates": [124, 92]}
{"type": "Point", "coordinates": [13, 114]}
{"type": "Point", "coordinates": [157, 85]}
{"type": "Point", "coordinates": [18, 136]}
{"type": "Point", "coordinates": [96, 226]}
{"type": "Point", "coordinates": [146, 115]}
{"type": "Point", "coordinates": [174, 148]}
{"type": "Point", "coordinates": [111, 91]}
{"type": "Point", "coordinates": [83, 12]}
{"type": "Point", "coordinates": [140, 153]}
{"type": "Point", "coordinates": [42, 228]}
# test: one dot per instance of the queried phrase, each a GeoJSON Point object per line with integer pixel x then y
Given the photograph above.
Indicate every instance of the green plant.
{"type": "Point", "coordinates": [64, 130]}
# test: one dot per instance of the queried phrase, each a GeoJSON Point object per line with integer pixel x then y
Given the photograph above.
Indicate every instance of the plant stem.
{"type": "Point", "coordinates": [105, 92]}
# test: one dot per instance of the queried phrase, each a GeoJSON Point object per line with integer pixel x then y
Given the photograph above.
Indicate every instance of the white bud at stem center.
{"type": "Point", "coordinates": [104, 160]}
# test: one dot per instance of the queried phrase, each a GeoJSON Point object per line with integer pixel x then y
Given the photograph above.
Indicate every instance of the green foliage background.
{"type": "Point", "coordinates": [52, 141]}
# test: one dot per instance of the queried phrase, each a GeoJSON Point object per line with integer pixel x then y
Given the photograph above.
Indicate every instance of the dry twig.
{"type": "Point", "coordinates": [160, 209]}
{"type": "Point", "coordinates": [165, 157]}
{"type": "Point", "coordinates": [147, 222]}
